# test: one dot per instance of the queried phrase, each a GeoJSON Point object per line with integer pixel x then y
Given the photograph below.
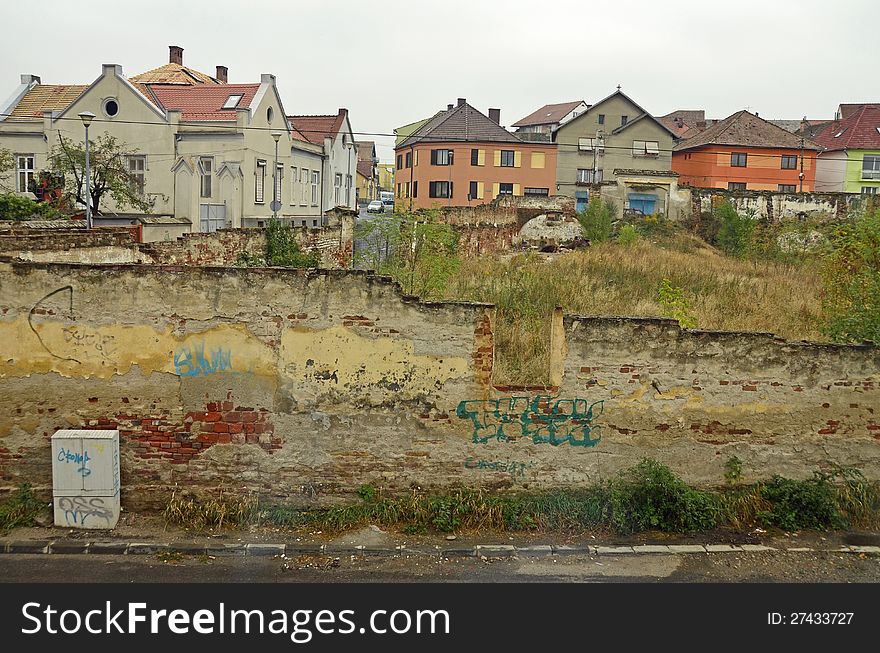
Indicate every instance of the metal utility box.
{"type": "Point", "coordinates": [85, 478]}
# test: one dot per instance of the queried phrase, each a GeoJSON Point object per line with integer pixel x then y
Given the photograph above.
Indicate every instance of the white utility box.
{"type": "Point", "coordinates": [85, 478]}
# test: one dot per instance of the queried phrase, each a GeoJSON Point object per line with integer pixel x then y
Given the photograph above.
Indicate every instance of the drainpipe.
{"type": "Point", "coordinates": [412, 168]}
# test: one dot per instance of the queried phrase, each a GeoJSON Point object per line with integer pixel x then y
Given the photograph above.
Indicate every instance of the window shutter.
{"type": "Point", "coordinates": [497, 158]}
{"type": "Point", "coordinates": [415, 189]}
{"type": "Point", "coordinates": [517, 189]}
{"type": "Point", "coordinates": [496, 188]}
{"type": "Point", "coordinates": [416, 158]}
{"type": "Point", "coordinates": [480, 190]}
{"type": "Point", "coordinates": [537, 159]}
{"type": "Point", "coordinates": [450, 189]}
{"type": "Point", "coordinates": [433, 157]}
{"type": "Point", "coordinates": [481, 158]}
{"type": "Point", "coordinates": [517, 159]}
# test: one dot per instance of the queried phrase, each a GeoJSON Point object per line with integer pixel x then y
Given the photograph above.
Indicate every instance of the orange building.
{"type": "Point", "coordinates": [461, 157]}
{"type": "Point", "coordinates": [745, 152]}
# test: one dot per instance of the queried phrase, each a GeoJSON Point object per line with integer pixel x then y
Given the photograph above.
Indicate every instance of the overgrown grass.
{"type": "Point", "coordinates": [20, 508]}
{"type": "Point", "coordinates": [610, 279]}
{"type": "Point", "coordinates": [648, 496]}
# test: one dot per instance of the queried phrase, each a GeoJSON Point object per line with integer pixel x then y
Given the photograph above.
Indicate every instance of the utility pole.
{"type": "Point", "coordinates": [801, 174]}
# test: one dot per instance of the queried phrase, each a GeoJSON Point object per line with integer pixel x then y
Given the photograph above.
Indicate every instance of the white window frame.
{"type": "Point", "coordinates": [279, 183]}
{"type": "Point", "coordinates": [25, 170]}
{"type": "Point", "coordinates": [870, 190]}
{"type": "Point", "coordinates": [260, 182]}
{"type": "Point", "coordinates": [874, 171]}
{"type": "Point", "coordinates": [139, 176]}
{"type": "Point", "coordinates": [232, 101]}
{"type": "Point", "coordinates": [206, 176]}
{"type": "Point", "coordinates": [337, 188]}
{"type": "Point", "coordinates": [304, 186]}
{"type": "Point", "coordinates": [316, 181]}
{"type": "Point", "coordinates": [293, 177]}
{"type": "Point", "coordinates": [347, 190]}
{"type": "Point", "coordinates": [646, 148]}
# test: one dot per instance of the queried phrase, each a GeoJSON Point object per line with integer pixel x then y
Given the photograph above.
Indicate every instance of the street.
{"type": "Point", "coordinates": [761, 567]}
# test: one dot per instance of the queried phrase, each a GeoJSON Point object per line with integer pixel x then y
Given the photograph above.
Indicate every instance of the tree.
{"type": "Point", "coordinates": [596, 220]}
{"type": "Point", "coordinates": [7, 163]}
{"type": "Point", "coordinates": [109, 172]}
{"type": "Point", "coordinates": [735, 230]}
{"type": "Point", "coordinates": [852, 281]}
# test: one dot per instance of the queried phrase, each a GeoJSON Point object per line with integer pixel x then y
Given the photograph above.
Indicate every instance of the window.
{"type": "Point", "coordinates": [206, 170]}
{"type": "Point", "coordinates": [508, 159]}
{"type": "Point", "coordinates": [736, 185]}
{"type": "Point", "coordinates": [472, 191]}
{"type": "Point", "coordinates": [646, 148]}
{"type": "Point", "coordinates": [871, 167]}
{"type": "Point", "coordinates": [406, 189]}
{"type": "Point", "coordinates": [316, 181]}
{"type": "Point", "coordinates": [279, 173]}
{"type": "Point", "coordinates": [440, 189]}
{"type": "Point", "coordinates": [787, 188]}
{"type": "Point", "coordinates": [337, 189]}
{"type": "Point", "coordinates": [304, 182]}
{"type": "Point", "coordinates": [586, 176]}
{"type": "Point", "coordinates": [589, 144]}
{"type": "Point", "coordinates": [441, 158]}
{"type": "Point", "coordinates": [400, 162]}
{"type": "Point", "coordinates": [409, 159]}
{"type": "Point", "coordinates": [475, 157]}
{"type": "Point", "coordinates": [505, 189]}
{"type": "Point", "coordinates": [869, 190]}
{"type": "Point", "coordinates": [269, 114]}
{"type": "Point", "coordinates": [25, 171]}
{"type": "Point", "coordinates": [293, 178]}
{"type": "Point", "coordinates": [738, 159]}
{"type": "Point", "coordinates": [111, 107]}
{"type": "Point", "coordinates": [232, 101]}
{"type": "Point", "coordinates": [543, 192]}
{"type": "Point", "coordinates": [789, 162]}
{"type": "Point", "coordinates": [398, 190]}
{"type": "Point", "coordinates": [137, 170]}
{"type": "Point", "coordinates": [347, 190]}
{"type": "Point", "coordinates": [623, 120]}
{"type": "Point", "coordinates": [601, 118]}
{"type": "Point", "coordinates": [259, 181]}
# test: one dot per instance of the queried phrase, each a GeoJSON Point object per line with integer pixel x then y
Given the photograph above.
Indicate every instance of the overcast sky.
{"type": "Point", "coordinates": [396, 61]}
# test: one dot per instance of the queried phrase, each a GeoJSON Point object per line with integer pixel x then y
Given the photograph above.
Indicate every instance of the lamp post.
{"type": "Point", "coordinates": [87, 117]}
{"type": "Point", "coordinates": [275, 202]}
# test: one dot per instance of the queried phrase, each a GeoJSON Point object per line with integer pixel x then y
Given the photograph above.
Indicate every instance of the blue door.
{"type": "Point", "coordinates": [643, 202]}
{"type": "Point", "coordinates": [582, 199]}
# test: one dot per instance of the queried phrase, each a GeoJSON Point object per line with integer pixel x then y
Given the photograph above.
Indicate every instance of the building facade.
{"type": "Point", "coordinates": [849, 161]}
{"type": "Point", "coordinates": [461, 157]}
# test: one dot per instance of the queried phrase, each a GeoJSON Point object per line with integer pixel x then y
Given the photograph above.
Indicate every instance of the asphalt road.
{"type": "Point", "coordinates": [768, 566]}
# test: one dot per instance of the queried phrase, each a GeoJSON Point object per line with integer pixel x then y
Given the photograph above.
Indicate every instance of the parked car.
{"type": "Point", "coordinates": [375, 207]}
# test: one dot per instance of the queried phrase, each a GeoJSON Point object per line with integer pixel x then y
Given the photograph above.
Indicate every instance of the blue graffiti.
{"type": "Point", "coordinates": [78, 509]}
{"type": "Point", "coordinates": [193, 362]}
{"type": "Point", "coordinates": [542, 418]}
{"type": "Point", "coordinates": [82, 460]}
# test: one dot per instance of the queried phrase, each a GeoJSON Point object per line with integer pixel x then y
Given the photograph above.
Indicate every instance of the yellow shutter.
{"type": "Point", "coordinates": [537, 159]}
{"type": "Point", "coordinates": [481, 187]}
{"type": "Point", "coordinates": [497, 158]}
{"type": "Point", "coordinates": [496, 188]}
{"type": "Point", "coordinates": [517, 189]}
{"type": "Point", "coordinates": [517, 159]}
{"type": "Point", "coordinates": [416, 158]}
{"type": "Point", "coordinates": [481, 157]}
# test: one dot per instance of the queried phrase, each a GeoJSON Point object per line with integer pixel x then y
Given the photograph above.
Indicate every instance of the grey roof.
{"type": "Point", "coordinates": [461, 123]}
{"type": "Point", "coordinates": [642, 116]}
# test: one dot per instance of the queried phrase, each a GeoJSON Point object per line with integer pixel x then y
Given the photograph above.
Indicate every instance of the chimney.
{"type": "Point", "coordinates": [449, 107]}
{"type": "Point", "coordinates": [222, 74]}
{"type": "Point", "coordinates": [461, 101]}
{"type": "Point", "coordinates": [495, 116]}
{"type": "Point", "coordinates": [175, 54]}
{"type": "Point", "coordinates": [28, 79]}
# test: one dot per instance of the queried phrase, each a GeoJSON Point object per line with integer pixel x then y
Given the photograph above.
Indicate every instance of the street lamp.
{"type": "Point", "coordinates": [87, 117]}
{"type": "Point", "coordinates": [275, 202]}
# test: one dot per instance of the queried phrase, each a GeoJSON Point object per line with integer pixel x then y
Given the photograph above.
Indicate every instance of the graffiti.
{"type": "Point", "coordinates": [193, 362]}
{"type": "Point", "coordinates": [34, 310]}
{"type": "Point", "coordinates": [104, 345]}
{"type": "Point", "coordinates": [513, 468]}
{"type": "Point", "coordinates": [543, 418]}
{"type": "Point", "coordinates": [82, 460]}
{"type": "Point", "coordinates": [78, 509]}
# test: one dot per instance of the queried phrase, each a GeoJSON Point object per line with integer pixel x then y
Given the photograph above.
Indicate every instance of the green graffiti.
{"type": "Point", "coordinates": [513, 468]}
{"type": "Point", "coordinates": [545, 419]}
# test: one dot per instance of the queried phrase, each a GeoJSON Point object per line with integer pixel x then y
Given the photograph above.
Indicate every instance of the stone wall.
{"type": "Point", "coordinates": [777, 206]}
{"type": "Point", "coordinates": [304, 385]}
{"type": "Point", "coordinates": [693, 399]}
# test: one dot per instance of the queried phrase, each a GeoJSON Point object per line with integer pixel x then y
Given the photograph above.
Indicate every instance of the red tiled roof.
{"type": "Point", "coordinates": [317, 128]}
{"type": "Point", "coordinates": [744, 129]}
{"type": "Point", "coordinates": [851, 108]}
{"type": "Point", "coordinates": [203, 102]}
{"type": "Point", "coordinates": [858, 132]}
{"type": "Point", "coordinates": [365, 168]}
{"type": "Point", "coordinates": [548, 114]}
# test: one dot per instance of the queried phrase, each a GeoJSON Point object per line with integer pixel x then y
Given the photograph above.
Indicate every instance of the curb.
{"type": "Point", "coordinates": [482, 551]}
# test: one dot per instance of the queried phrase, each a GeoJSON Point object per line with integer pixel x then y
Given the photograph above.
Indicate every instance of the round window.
{"type": "Point", "coordinates": [111, 107]}
{"type": "Point", "coordinates": [269, 114]}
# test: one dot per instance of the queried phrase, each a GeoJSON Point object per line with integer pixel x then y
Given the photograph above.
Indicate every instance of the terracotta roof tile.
{"type": "Point", "coordinates": [203, 102]}
{"type": "Point", "coordinates": [860, 131]}
{"type": "Point", "coordinates": [852, 108]}
{"type": "Point", "coordinates": [46, 97]}
{"type": "Point", "coordinates": [744, 129]}
{"type": "Point", "coordinates": [461, 123]}
{"type": "Point", "coordinates": [317, 128]}
{"type": "Point", "coordinates": [365, 168]}
{"type": "Point", "coordinates": [174, 73]}
{"type": "Point", "coordinates": [548, 114]}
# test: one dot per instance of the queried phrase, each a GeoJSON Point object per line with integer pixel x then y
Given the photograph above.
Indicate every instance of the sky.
{"type": "Point", "coordinates": [397, 61]}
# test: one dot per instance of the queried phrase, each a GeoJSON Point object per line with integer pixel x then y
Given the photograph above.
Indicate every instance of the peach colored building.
{"type": "Point", "coordinates": [745, 152]}
{"type": "Point", "coordinates": [461, 157]}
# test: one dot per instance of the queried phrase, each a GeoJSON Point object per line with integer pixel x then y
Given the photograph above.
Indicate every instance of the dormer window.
{"type": "Point", "coordinates": [232, 101]}
{"type": "Point", "coordinates": [840, 133]}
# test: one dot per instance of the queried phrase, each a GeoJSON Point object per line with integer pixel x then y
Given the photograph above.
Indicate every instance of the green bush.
{"type": "Point", "coordinates": [734, 231]}
{"type": "Point", "coordinates": [801, 504]}
{"type": "Point", "coordinates": [596, 220]}
{"type": "Point", "coordinates": [20, 509]}
{"type": "Point", "coordinates": [676, 305]}
{"type": "Point", "coordinates": [282, 250]}
{"type": "Point", "coordinates": [628, 235]}
{"type": "Point", "coordinates": [16, 207]}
